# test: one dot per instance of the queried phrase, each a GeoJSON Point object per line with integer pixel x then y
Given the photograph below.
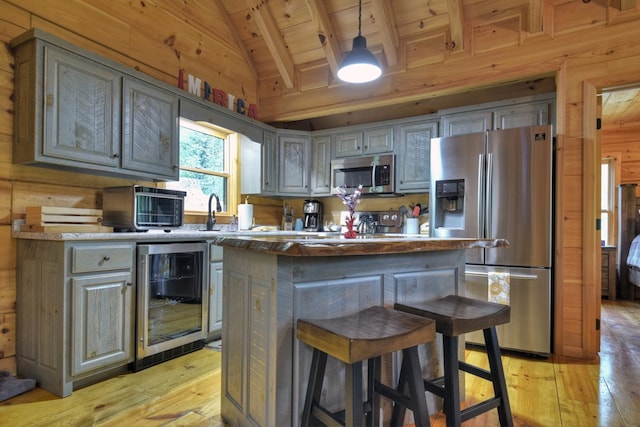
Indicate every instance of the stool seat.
{"type": "Point", "coordinates": [359, 337]}
{"type": "Point", "coordinates": [366, 334]}
{"type": "Point", "coordinates": [456, 315]}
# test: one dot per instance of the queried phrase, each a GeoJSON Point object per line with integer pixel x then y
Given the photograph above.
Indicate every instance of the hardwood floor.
{"type": "Point", "coordinates": [543, 392]}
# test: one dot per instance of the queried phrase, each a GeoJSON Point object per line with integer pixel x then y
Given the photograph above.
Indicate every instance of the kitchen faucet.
{"type": "Point", "coordinates": [211, 215]}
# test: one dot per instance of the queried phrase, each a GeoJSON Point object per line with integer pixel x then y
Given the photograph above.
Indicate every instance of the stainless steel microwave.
{"type": "Point", "coordinates": [375, 173]}
{"type": "Point", "coordinates": [139, 208]}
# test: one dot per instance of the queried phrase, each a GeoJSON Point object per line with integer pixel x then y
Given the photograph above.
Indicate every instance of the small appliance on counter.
{"type": "Point", "coordinates": [375, 222]}
{"type": "Point", "coordinates": [312, 215]}
{"type": "Point", "coordinates": [138, 208]}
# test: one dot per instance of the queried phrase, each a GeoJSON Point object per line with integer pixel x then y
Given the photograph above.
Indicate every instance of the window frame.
{"type": "Point", "coordinates": [230, 166]}
{"type": "Point", "coordinates": [609, 180]}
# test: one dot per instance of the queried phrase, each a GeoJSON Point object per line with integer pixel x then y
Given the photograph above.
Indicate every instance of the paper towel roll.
{"type": "Point", "coordinates": [245, 216]}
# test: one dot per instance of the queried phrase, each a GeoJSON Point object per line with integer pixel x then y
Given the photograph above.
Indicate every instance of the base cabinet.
{"type": "Point", "coordinates": [75, 311]}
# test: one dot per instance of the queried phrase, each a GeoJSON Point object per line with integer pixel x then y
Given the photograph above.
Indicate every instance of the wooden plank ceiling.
{"type": "Point", "coordinates": [286, 39]}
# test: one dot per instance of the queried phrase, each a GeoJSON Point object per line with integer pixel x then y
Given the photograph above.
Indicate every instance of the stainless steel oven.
{"type": "Point", "coordinates": [172, 308]}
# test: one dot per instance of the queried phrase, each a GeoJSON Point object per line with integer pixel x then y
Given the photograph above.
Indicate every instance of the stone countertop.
{"type": "Point", "coordinates": [289, 243]}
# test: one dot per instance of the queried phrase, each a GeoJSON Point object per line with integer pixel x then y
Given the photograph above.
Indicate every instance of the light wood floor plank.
{"type": "Point", "coordinates": [553, 392]}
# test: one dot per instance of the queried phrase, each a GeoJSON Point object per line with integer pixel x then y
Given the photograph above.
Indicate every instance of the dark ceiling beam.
{"type": "Point", "coordinates": [274, 40]}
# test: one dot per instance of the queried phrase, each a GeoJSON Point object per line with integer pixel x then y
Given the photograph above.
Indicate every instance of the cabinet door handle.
{"type": "Point", "coordinates": [106, 258]}
{"type": "Point", "coordinates": [129, 284]}
{"type": "Point", "coordinates": [116, 155]}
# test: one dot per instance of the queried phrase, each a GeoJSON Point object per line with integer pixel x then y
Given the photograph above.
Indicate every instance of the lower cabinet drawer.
{"type": "Point", "coordinates": [101, 257]}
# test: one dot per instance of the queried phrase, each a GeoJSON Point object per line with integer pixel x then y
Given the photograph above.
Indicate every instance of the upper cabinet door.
{"type": "Point", "coordinates": [378, 140]}
{"type": "Point", "coordinates": [347, 144]}
{"type": "Point", "coordinates": [150, 129]}
{"type": "Point", "coordinates": [413, 165]}
{"type": "Point", "coordinates": [81, 109]}
{"type": "Point", "coordinates": [295, 159]}
{"type": "Point", "coordinates": [269, 163]}
{"type": "Point", "coordinates": [467, 122]}
{"type": "Point", "coordinates": [321, 165]}
{"type": "Point", "coordinates": [522, 115]}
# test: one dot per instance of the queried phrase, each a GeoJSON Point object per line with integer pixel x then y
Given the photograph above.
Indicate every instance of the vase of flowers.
{"type": "Point", "coordinates": [351, 200]}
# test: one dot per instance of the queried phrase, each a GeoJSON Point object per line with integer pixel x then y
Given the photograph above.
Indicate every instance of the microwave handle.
{"type": "Point", "coordinates": [373, 175]}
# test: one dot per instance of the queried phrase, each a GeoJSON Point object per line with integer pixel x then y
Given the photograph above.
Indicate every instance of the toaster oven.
{"type": "Point", "coordinates": [139, 208]}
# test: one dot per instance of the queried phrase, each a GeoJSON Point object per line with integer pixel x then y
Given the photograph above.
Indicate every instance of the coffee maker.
{"type": "Point", "coordinates": [312, 215]}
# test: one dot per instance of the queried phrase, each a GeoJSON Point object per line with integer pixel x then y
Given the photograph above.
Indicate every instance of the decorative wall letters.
{"type": "Point", "coordinates": [217, 96]}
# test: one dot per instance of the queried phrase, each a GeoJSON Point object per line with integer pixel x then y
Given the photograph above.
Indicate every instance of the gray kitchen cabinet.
{"type": "Point", "coordinates": [68, 109]}
{"type": "Point", "coordinates": [378, 140]}
{"type": "Point", "coordinates": [413, 148]}
{"type": "Point", "coordinates": [347, 144]}
{"type": "Point", "coordinates": [519, 112]}
{"type": "Point", "coordinates": [75, 311]}
{"type": "Point", "coordinates": [467, 122]}
{"type": "Point", "coordinates": [150, 129]}
{"type": "Point", "coordinates": [522, 115]}
{"type": "Point", "coordinates": [363, 142]}
{"type": "Point", "coordinates": [321, 165]}
{"type": "Point", "coordinates": [215, 293]}
{"type": "Point", "coordinates": [294, 166]}
{"type": "Point", "coordinates": [77, 111]}
{"type": "Point", "coordinates": [269, 163]}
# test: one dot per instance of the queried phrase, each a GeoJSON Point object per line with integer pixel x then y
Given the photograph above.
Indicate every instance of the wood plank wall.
{"type": "Point", "coordinates": [120, 31]}
{"type": "Point", "coordinates": [599, 49]}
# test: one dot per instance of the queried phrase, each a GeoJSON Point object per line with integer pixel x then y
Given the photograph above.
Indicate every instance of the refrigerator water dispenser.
{"type": "Point", "coordinates": [450, 203]}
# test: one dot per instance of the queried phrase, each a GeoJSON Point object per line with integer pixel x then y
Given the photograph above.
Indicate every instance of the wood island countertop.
{"type": "Point", "coordinates": [288, 243]}
{"type": "Point", "coordinates": [336, 245]}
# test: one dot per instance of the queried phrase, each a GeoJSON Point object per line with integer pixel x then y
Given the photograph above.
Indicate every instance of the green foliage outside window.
{"type": "Point", "coordinates": [203, 166]}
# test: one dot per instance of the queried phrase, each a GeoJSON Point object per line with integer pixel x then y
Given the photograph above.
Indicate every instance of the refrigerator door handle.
{"type": "Point", "coordinates": [481, 211]}
{"type": "Point", "coordinates": [488, 196]}
{"type": "Point", "coordinates": [515, 276]}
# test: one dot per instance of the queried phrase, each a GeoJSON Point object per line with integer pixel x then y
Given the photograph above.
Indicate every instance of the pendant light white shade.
{"type": "Point", "coordinates": [360, 65]}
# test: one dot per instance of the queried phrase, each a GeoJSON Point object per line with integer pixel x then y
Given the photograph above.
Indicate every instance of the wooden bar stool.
{"type": "Point", "coordinates": [454, 316]}
{"type": "Point", "coordinates": [352, 339]}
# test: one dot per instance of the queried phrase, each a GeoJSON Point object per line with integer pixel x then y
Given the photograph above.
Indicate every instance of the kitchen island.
{"type": "Point", "coordinates": [271, 281]}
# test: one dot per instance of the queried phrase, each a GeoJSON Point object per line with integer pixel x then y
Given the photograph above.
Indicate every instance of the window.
{"type": "Point", "coordinates": [207, 156]}
{"type": "Point", "coordinates": [607, 201]}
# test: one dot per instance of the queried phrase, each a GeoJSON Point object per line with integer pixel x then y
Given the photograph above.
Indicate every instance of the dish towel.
{"type": "Point", "coordinates": [499, 287]}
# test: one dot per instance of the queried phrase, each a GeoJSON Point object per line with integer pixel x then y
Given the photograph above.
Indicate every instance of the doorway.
{"type": "Point", "coordinates": [620, 145]}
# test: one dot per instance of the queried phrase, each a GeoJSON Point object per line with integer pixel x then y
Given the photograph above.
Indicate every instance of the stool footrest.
{"type": "Point", "coordinates": [334, 418]}
{"type": "Point", "coordinates": [474, 370]}
{"type": "Point", "coordinates": [480, 408]}
{"type": "Point", "coordinates": [435, 386]}
{"type": "Point", "coordinates": [392, 394]}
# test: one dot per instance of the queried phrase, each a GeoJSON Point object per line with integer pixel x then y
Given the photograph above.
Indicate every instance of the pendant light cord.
{"type": "Point", "coordinates": [360, 18]}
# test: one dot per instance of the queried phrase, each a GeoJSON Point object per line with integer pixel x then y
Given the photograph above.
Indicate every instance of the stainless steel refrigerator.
{"type": "Point", "coordinates": [498, 184]}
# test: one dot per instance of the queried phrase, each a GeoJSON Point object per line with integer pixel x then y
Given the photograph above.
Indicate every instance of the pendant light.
{"type": "Point", "coordinates": [360, 65]}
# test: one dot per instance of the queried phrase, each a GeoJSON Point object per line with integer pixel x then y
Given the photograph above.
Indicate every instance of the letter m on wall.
{"type": "Point", "coordinates": [194, 85]}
